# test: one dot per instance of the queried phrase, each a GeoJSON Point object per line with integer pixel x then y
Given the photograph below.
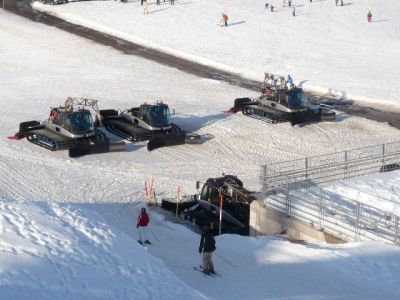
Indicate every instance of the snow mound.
{"type": "Point", "coordinates": [52, 251]}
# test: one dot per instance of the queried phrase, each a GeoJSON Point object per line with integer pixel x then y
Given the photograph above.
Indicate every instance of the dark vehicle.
{"type": "Point", "coordinates": [55, 2]}
{"type": "Point", "coordinates": [70, 127]}
{"type": "Point", "coordinates": [282, 102]}
{"type": "Point", "coordinates": [204, 208]}
{"type": "Point", "coordinates": [150, 122]}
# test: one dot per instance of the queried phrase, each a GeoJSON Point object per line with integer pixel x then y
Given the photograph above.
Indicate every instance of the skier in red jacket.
{"type": "Point", "coordinates": [143, 221]}
{"type": "Point", "coordinates": [225, 19]}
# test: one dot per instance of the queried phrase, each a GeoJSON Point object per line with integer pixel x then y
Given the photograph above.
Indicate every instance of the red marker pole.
{"type": "Point", "coordinates": [221, 202]}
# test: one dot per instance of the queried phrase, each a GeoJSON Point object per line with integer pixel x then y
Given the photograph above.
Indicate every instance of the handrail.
{"type": "Point", "coordinates": [346, 218]}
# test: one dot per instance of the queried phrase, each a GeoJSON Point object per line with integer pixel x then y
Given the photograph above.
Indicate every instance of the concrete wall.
{"type": "Point", "coordinates": [268, 221]}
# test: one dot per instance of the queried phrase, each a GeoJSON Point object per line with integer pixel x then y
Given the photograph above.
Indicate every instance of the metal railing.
{"type": "Point", "coordinates": [296, 174]}
{"type": "Point", "coordinates": [347, 219]}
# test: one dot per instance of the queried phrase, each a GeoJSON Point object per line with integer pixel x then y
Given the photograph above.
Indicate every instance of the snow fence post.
{"type": "Point", "coordinates": [357, 228]}
{"type": "Point", "coordinates": [264, 183]}
{"type": "Point", "coordinates": [287, 196]}
{"type": "Point", "coordinates": [345, 164]}
{"type": "Point", "coordinates": [306, 166]}
{"type": "Point", "coordinates": [178, 200]}
{"type": "Point", "coordinates": [220, 209]}
{"type": "Point", "coordinates": [321, 210]}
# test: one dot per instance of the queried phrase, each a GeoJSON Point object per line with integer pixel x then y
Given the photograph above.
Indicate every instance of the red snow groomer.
{"type": "Point", "coordinates": [281, 101]}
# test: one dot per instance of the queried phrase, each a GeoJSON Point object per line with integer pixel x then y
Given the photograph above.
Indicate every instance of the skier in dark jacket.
{"type": "Point", "coordinates": [369, 17]}
{"type": "Point", "coordinates": [207, 246]}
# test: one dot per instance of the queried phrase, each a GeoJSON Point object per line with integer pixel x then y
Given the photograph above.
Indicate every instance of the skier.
{"type": "Point", "coordinates": [289, 81]}
{"type": "Point", "coordinates": [172, 2]}
{"type": "Point", "coordinates": [341, 2]}
{"type": "Point", "coordinates": [145, 7]}
{"type": "Point", "coordinates": [225, 19]}
{"type": "Point", "coordinates": [143, 221]}
{"type": "Point", "coordinates": [290, 3]}
{"type": "Point", "coordinates": [272, 8]}
{"type": "Point", "coordinates": [294, 12]}
{"type": "Point", "coordinates": [369, 17]}
{"type": "Point", "coordinates": [207, 246]}
{"type": "Point", "coordinates": [158, 2]}
{"type": "Point", "coordinates": [266, 5]}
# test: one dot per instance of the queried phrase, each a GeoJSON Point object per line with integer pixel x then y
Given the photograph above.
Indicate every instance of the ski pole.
{"type": "Point", "coordinates": [224, 259]}
{"type": "Point", "coordinates": [140, 235]}
{"type": "Point", "coordinates": [201, 260]}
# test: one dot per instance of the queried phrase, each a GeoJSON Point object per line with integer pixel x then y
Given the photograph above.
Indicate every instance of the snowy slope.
{"type": "Point", "coordinates": [328, 49]}
{"type": "Point", "coordinates": [77, 205]}
{"type": "Point", "coordinates": [51, 251]}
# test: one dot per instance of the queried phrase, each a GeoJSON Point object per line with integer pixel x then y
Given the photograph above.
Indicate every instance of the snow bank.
{"type": "Point", "coordinates": [329, 50]}
{"type": "Point", "coordinates": [51, 251]}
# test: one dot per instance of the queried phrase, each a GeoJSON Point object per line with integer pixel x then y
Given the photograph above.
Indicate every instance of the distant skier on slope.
{"type": "Point", "coordinates": [145, 7]}
{"type": "Point", "coordinates": [143, 222]}
{"type": "Point", "coordinates": [369, 16]}
{"type": "Point", "coordinates": [289, 81]}
{"type": "Point", "coordinates": [225, 19]}
{"type": "Point", "coordinates": [294, 12]}
{"type": "Point", "coordinates": [207, 246]}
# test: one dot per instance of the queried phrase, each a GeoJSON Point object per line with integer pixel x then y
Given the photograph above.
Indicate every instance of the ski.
{"type": "Point", "coordinates": [214, 274]}
{"type": "Point", "coordinates": [144, 243]}
{"type": "Point", "coordinates": [205, 273]}
{"type": "Point", "coordinates": [200, 269]}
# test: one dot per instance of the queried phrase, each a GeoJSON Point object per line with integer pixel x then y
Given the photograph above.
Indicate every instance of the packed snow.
{"type": "Point", "coordinates": [67, 226]}
{"type": "Point", "coordinates": [381, 191]}
{"type": "Point", "coordinates": [328, 49]}
{"type": "Point", "coordinates": [54, 251]}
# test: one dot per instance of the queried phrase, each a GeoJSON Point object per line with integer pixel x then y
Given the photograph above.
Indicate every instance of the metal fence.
{"type": "Point", "coordinates": [342, 217]}
{"type": "Point", "coordinates": [299, 173]}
